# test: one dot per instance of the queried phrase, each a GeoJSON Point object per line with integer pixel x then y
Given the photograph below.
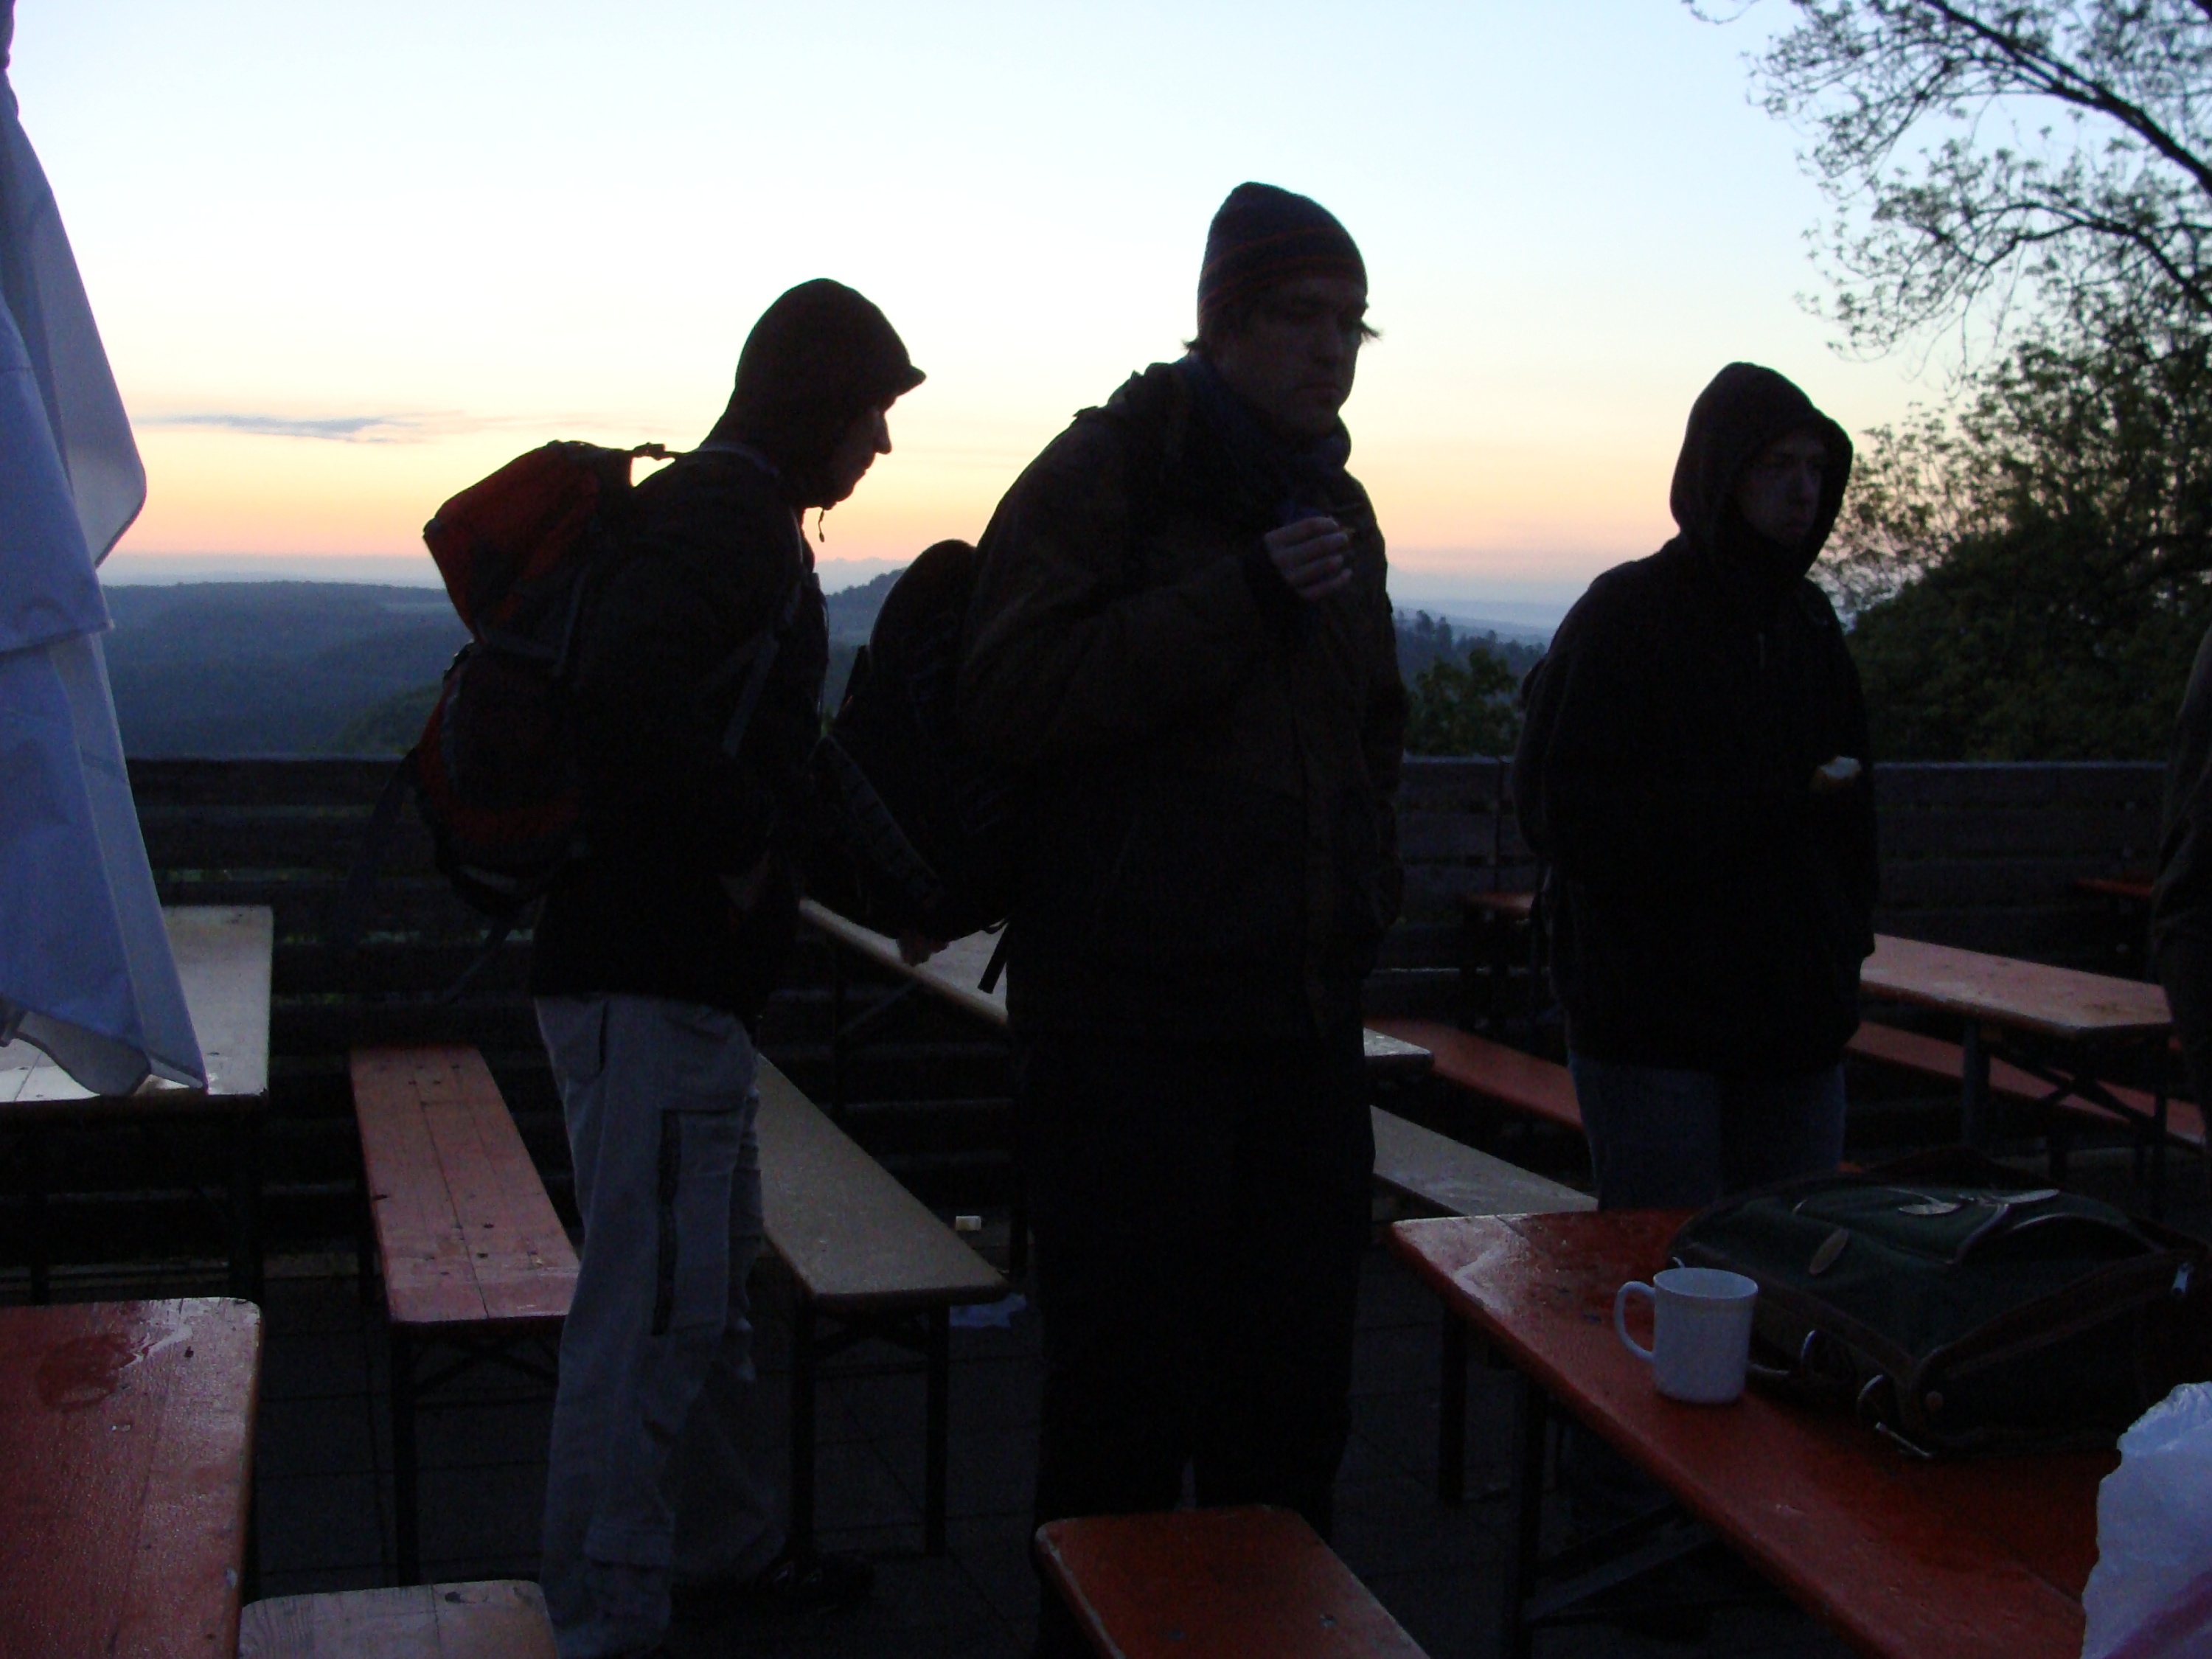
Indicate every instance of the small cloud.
{"type": "Point", "coordinates": [342, 429]}
{"type": "Point", "coordinates": [423, 427]}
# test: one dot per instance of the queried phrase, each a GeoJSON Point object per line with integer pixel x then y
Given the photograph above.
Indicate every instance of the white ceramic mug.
{"type": "Point", "coordinates": [1700, 1331]}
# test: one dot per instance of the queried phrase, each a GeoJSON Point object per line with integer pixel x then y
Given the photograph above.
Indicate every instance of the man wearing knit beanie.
{"type": "Point", "coordinates": [656, 951]}
{"type": "Point", "coordinates": [1181, 635]}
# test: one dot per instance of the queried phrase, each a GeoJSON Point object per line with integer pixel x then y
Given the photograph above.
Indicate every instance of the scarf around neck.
{"type": "Point", "coordinates": [1293, 480]}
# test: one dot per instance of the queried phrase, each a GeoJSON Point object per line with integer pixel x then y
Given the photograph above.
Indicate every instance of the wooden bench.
{"type": "Point", "coordinates": [1492, 1072]}
{"type": "Point", "coordinates": [1449, 1177]}
{"type": "Point", "coordinates": [1943, 1062]}
{"type": "Point", "coordinates": [1214, 1584]}
{"type": "Point", "coordinates": [496, 1618]}
{"type": "Point", "coordinates": [474, 1261]}
{"type": "Point", "coordinates": [871, 1260]}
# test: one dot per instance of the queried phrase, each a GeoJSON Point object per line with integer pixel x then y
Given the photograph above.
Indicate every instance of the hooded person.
{"type": "Point", "coordinates": [655, 953]}
{"type": "Point", "coordinates": [1693, 771]}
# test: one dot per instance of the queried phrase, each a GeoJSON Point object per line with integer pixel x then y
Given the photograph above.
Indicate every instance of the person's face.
{"type": "Point", "coordinates": [1293, 358]}
{"type": "Point", "coordinates": [1780, 493]}
{"type": "Point", "coordinates": [869, 436]}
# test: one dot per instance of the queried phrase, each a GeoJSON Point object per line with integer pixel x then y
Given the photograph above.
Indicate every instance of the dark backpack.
{"type": "Point", "coordinates": [494, 774]}
{"type": "Point", "coordinates": [915, 830]}
{"type": "Point", "coordinates": [1957, 1306]}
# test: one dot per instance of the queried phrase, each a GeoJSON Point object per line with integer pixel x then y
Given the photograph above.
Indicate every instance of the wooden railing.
{"type": "Point", "coordinates": [1977, 855]}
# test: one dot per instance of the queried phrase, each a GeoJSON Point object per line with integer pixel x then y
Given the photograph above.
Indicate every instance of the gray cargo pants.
{"type": "Point", "coordinates": [654, 1473]}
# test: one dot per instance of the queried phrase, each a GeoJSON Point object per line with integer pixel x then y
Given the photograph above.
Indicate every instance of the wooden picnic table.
{"type": "Point", "coordinates": [222, 954]}
{"type": "Point", "coordinates": [1971, 1559]}
{"type": "Point", "coordinates": [955, 975]}
{"type": "Point", "coordinates": [126, 1444]}
{"type": "Point", "coordinates": [2062, 1003]}
{"type": "Point", "coordinates": [2058, 1023]}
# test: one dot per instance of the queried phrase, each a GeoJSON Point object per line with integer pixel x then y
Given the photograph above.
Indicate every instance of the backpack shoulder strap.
{"type": "Point", "coordinates": [762, 652]}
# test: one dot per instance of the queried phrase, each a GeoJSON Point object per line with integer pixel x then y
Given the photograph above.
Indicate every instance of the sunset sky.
{"type": "Point", "coordinates": [347, 259]}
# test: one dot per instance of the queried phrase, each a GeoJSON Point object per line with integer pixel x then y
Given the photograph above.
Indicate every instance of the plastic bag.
{"type": "Point", "coordinates": [2150, 1594]}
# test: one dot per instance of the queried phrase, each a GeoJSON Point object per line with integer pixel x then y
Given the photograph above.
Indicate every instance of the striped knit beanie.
{"type": "Point", "coordinates": [1261, 236]}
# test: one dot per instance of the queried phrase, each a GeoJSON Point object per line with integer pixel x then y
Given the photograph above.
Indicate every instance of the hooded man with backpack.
{"type": "Point", "coordinates": [694, 705]}
{"type": "Point", "coordinates": [1179, 639]}
{"type": "Point", "coordinates": [1693, 770]}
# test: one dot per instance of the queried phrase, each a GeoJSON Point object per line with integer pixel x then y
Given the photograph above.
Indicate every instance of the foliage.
{"type": "Point", "coordinates": [1981, 155]}
{"type": "Point", "coordinates": [2029, 576]}
{"type": "Point", "coordinates": [1464, 710]}
{"type": "Point", "coordinates": [2027, 569]}
{"type": "Point", "coordinates": [1422, 640]}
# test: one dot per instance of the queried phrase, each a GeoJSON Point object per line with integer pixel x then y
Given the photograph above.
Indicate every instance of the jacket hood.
{"type": "Point", "coordinates": [818, 358]}
{"type": "Point", "coordinates": [1745, 409]}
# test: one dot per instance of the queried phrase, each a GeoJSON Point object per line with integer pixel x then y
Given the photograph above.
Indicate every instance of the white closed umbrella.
{"type": "Point", "coordinates": [85, 968]}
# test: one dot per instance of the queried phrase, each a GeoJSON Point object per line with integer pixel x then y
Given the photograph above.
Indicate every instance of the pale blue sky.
{"type": "Point", "coordinates": [348, 257]}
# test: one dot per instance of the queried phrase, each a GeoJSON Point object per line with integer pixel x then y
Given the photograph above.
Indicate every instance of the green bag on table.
{"type": "Point", "coordinates": [1959, 1306]}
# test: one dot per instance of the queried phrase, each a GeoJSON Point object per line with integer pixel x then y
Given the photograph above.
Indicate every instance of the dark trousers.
{"type": "Point", "coordinates": [1200, 1213]}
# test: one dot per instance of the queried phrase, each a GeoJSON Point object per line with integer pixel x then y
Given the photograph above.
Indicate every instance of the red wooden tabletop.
{"type": "Point", "coordinates": [126, 1437]}
{"type": "Point", "coordinates": [1513, 906]}
{"type": "Point", "coordinates": [2026, 996]}
{"type": "Point", "coordinates": [2134, 889]}
{"type": "Point", "coordinates": [1215, 1584]}
{"type": "Point", "coordinates": [1974, 1558]}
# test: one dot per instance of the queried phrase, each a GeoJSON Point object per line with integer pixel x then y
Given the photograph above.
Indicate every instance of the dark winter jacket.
{"type": "Point", "coordinates": [714, 551]}
{"type": "Point", "coordinates": [1210, 763]}
{"type": "Point", "coordinates": [1707, 910]}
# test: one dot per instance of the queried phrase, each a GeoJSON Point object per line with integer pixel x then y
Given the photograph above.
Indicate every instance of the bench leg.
{"type": "Point", "coordinates": [1451, 1415]}
{"type": "Point", "coordinates": [800, 1540]}
{"type": "Point", "coordinates": [364, 1231]}
{"type": "Point", "coordinates": [34, 1211]}
{"type": "Point", "coordinates": [245, 1279]}
{"type": "Point", "coordinates": [1974, 1090]}
{"type": "Point", "coordinates": [936, 1432]}
{"type": "Point", "coordinates": [2158, 1144]}
{"type": "Point", "coordinates": [249, 1583]}
{"type": "Point", "coordinates": [836, 1032]}
{"type": "Point", "coordinates": [404, 1514]}
{"type": "Point", "coordinates": [1524, 1545]}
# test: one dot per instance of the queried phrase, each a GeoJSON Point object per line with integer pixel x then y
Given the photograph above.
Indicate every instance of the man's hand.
{"type": "Point", "coordinates": [1310, 557]}
{"type": "Point", "coordinates": [915, 949]}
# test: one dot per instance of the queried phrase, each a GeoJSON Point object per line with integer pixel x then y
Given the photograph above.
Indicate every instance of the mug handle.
{"type": "Point", "coordinates": [1634, 1287]}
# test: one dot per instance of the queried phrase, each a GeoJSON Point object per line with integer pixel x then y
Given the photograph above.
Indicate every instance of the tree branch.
{"type": "Point", "coordinates": [2058, 79]}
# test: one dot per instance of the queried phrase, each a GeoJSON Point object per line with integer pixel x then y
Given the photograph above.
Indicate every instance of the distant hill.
{"type": "Point", "coordinates": [324, 668]}
{"type": "Point", "coordinates": [852, 609]}
{"type": "Point", "coordinates": [269, 668]}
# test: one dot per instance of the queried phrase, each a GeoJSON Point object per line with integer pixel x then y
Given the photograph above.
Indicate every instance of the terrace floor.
{"type": "Point", "coordinates": [323, 1457]}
